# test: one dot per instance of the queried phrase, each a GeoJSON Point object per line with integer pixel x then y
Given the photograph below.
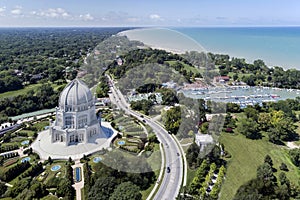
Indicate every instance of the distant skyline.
{"type": "Point", "coordinates": [37, 13]}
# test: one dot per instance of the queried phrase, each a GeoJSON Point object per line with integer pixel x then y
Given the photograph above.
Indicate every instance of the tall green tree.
{"type": "Point", "coordinates": [126, 191]}
{"type": "Point", "coordinates": [102, 87]}
{"type": "Point", "coordinates": [251, 112]}
{"type": "Point", "coordinates": [38, 190]}
{"type": "Point", "coordinates": [102, 189]}
{"type": "Point", "coordinates": [265, 174]}
{"type": "Point", "coordinates": [269, 160]}
{"type": "Point", "coordinates": [169, 97]}
{"type": "Point", "coordinates": [295, 156]}
{"type": "Point", "coordinates": [192, 155]}
{"type": "Point", "coordinates": [280, 127]}
{"type": "Point", "coordinates": [249, 128]}
{"type": "Point", "coordinates": [65, 189]}
{"type": "Point", "coordinates": [172, 119]}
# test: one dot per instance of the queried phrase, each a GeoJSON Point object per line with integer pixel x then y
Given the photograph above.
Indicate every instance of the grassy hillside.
{"type": "Point", "coordinates": [247, 155]}
{"type": "Point", "coordinates": [21, 91]}
{"type": "Point", "coordinates": [186, 67]}
{"type": "Point", "coordinates": [26, 89]}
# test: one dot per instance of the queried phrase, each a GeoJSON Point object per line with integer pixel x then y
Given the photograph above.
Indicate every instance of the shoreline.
{"type": "Point", "coordinates": [214, 47]}
{"type": "Point", "coordinates": [130, 34]}
{"type": "Point", "coordinates": [170, 43]}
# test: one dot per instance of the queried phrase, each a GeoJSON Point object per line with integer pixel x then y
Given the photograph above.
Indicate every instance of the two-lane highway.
{"type": "Point", "coordinates": [172, 180]}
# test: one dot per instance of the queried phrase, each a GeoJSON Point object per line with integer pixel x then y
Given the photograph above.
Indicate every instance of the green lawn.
{"type": "Point", "coordinates": [297, 143]}
{"type": "Point", "coordinates": [41, 125]}
{"type": "Point", "coordinates": [190, 176]}
{"type": "Point", "coordinates": [186, 67]}
{"type": "Point", "coordinates": [240, 75]}
{"type": "Point", "coordinates": [25, 90]}
{"type": "Point", "coordinates": [51, 173]}
{"type": "Point", "coordinates": [18, 139]}
{"type": "Point", "coordinates": [28, 132]}
{"type": "Point", "coordinates": [247, 155]}
{"type": "Point", "coordinates": [155, 162]}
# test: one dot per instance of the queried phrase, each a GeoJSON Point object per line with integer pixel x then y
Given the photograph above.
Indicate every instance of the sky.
{"type": "Point", "coordinates": [44, 13]}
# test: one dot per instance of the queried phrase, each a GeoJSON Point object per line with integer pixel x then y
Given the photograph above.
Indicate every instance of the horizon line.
{"type": "Point", "coordinates": [153, 26]}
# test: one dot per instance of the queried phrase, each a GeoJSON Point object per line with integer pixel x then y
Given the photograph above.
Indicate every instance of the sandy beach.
{"type": "Point", "coordinates": [163, 39]}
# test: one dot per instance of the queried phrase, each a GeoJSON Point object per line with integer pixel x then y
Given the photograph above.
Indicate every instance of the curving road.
{"type": "Point", "coordinates": [171, 181]}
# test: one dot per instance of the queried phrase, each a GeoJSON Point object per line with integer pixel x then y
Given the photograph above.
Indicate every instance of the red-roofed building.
{"type": "Point", "coordinates": [221, 79]}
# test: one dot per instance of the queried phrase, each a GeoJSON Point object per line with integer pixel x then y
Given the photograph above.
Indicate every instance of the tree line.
{"type": "Point", "coordinates": [43, 97]}
{"type": "Point", "coordinates": [274, 119]}
{"type": "Point", "coordinates": [29, 55]}
{"type": "Point", "coordinates": [258, 72]}
{"type": "Point", "coordinates": [142, 56]}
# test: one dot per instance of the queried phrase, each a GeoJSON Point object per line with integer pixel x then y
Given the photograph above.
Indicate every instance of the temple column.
{"type": "Point", "coordinates": [67, 138]}
{"type": "Point", "coordinates": [86, 138]}
{"type": "Point", "coordinates": [51, 133]}
{"type": "Point", "coordinates": [56, 116]}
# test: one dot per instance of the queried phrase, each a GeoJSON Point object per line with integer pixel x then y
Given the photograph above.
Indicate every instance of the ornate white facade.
{"type": "Point", "coordinates": [76, 119]}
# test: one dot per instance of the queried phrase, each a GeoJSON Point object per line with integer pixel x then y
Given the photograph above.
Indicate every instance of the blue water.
{"type": "Point", "coordinates": [277, 46]}
{"type": "Point", "coordinates": [25, 142]}
{"type": "Point", "coordinates": [27, 159]}
{"type": "Point", "coordinates": [78, 174]}
{"type": "Point", "coordinates": [97, 159]}
{"type": "Point", "coordinates": [55, 167]}
{"type": "Point", "coordinates": [121, 142]}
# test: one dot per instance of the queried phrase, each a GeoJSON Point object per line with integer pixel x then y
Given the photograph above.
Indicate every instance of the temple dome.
{"type": "Point", "coordinates": [74, 94]}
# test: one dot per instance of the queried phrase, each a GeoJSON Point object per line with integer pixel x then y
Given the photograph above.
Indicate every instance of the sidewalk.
{"type": "Point", "coordinates": [78, 185]}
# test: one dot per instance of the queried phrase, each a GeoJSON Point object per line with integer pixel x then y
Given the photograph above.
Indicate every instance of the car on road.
{"type": "Point", "coordinates": [168, 169]}
{"type": "Point", "coordinates": [144, 121]}
{"type": "Point", "coordinates": [178, 154]}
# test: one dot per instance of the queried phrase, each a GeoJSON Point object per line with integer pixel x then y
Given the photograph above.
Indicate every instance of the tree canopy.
{"type": "Point", "coordinates": [126, 191]}
{"type": "Point", "coordinates": [102, 188]}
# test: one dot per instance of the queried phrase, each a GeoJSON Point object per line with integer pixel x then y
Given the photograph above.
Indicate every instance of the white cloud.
{"type": "Point", "coordinates": [52, 13]}
{"type": "Point", "coordinates": [2, 11]}
{"type": "Point", "coordinates": [16, 11]}
{"type": "Point", "coordinates": [86, 17]}
{"type": "Point", "coordinates": [155, 17]}
{"type": "Point", "coordinates": [133, 19]}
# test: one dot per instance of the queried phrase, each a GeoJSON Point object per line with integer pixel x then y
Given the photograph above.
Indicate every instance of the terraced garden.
{"type": "Point", "coordinates": [133, 133]}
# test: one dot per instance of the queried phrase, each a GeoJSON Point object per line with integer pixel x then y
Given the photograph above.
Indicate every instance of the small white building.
{"type": "Point", "coordinates": [76, 119]}
{"type": "Point", "coordinates": [203, 139]}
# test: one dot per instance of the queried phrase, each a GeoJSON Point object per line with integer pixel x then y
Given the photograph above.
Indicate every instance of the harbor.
{"type": "Point", "coordinates": [242, 95]}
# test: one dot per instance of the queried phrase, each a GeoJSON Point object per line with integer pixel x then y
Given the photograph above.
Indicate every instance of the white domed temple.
{"type": "Point", "coordinates": [76, 130]}
{"type": "Point", "coordinates": [76, 119]}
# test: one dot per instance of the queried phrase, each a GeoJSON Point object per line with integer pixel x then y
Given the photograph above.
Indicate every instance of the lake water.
{"type": "Point", "coordinates": [278, 46]}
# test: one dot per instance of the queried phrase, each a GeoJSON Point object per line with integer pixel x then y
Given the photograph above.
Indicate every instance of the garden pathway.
{"type": "Point", "coordinates": [78, 185]}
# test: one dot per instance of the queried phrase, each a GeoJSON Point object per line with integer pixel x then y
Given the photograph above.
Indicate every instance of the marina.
{"type": "Point", "coordinates": [242, 95]}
